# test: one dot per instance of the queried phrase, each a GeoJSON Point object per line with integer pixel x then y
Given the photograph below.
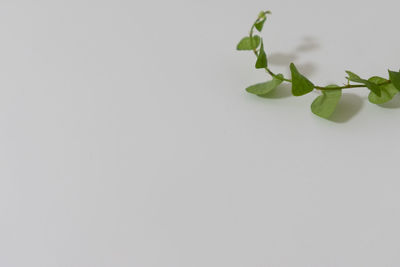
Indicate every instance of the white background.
{"type": "Point", "coordinates": [127, 138]}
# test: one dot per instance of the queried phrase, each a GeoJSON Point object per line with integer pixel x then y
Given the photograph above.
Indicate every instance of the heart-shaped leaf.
{"type": "Point", "coordinates": [300, 84]}
{"type": "Point", "coordinates": [325, 104]}
{"type": "Point", "coordinates": [265, 88]}
{"type": "Point", "coordinates": [248, 43]}
{"type": "Point", "coordinates": [388, 91]}
{"type": "Point", "coordinates": [260, 23]}
{"type": "Point", "coordinates": [262, 61]}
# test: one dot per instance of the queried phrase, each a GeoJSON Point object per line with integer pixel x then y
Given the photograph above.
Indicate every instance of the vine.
{"type": "Point", "coordinates": [381, 90]}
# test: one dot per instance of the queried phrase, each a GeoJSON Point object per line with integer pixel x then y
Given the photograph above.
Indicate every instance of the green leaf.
{"type": "Point", "coordinates": [262, 61]}
{"type": "Point", "coordinates": [263, 14]}
{"type": "Point", "coordinates": [265, 88]}
{"type": "Point", "coordinates": [300, 84]}
{"type": "Point", "coordinates": [249, 44]}
{"type": "Point", "coordinates": [395, 78]}
{"type": "Point", "coordinates": [260, 24]}
{"type": "Point", "coordinates": [325, 104]}
{"type": "Point", "coordinates": [377, 80]}
{"type": "Point", "coordinates": [354, 77]}
{"type": "Point", "coordinates": [388, 91]}
{"type": "Point", "coordinates": [370, 85]}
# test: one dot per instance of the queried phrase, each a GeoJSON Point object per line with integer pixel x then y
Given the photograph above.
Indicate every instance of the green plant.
{"type": "Point", "coordinates": [382, 90]}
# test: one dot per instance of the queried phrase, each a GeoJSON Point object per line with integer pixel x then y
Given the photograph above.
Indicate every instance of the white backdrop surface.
{"type": "Point", "coordinates": [127, 139]}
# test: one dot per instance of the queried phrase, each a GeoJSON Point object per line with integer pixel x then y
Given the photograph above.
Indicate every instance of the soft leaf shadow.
{"type": "Point", "coordinates": [307, 69]}
{"type": "Point", "coordinates": [349, 106]}
{"type": "Point", "coordinates": [284, 59]}
{"type": "Point", "coordinates": [282, 91]}
{"type": "Point", "coordinates": [309, 44]}
{"type": "Point", "coordinates": [392, 104]}
{"type": "Point", "coordinates": [281, 59]}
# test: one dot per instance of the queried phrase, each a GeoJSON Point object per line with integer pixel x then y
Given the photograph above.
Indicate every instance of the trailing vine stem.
{"type": "Point", "coordinates": [381, 89]}
{"type": "Point", "coordinates": [282, 78]}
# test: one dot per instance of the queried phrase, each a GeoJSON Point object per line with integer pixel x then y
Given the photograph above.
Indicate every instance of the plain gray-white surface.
{"type": "Point", "coordinates": [127, 138]}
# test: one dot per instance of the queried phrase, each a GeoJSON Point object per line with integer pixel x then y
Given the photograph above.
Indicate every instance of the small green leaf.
{"type": "Point", "coordinates": [395, 78]}
{"type": "Point", "coordinates": [377, 80]}
{"type": "Point", "coordinates": [249, 44]}
{"type": "Point", "coordinates": [370, 85]}
{"type": "Point", "coordinates": [300, 84]}
{"type": "Point", "coordinates": [263, 14]}
{"type": "Point", "coordinates": [262, 17]}
{"type": "Point", "coordinates": [262, 61]}
{"type": "Point", "coordinates": [388, 91]}
{"type": "Point", "coordinates": [354, 77]}
{"type": "Point", "coordinates": [260, 24]}
{"type": "Point", "coordinates": [265, 88]}
{"type": "Point", "coordinates": [325, 104]}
